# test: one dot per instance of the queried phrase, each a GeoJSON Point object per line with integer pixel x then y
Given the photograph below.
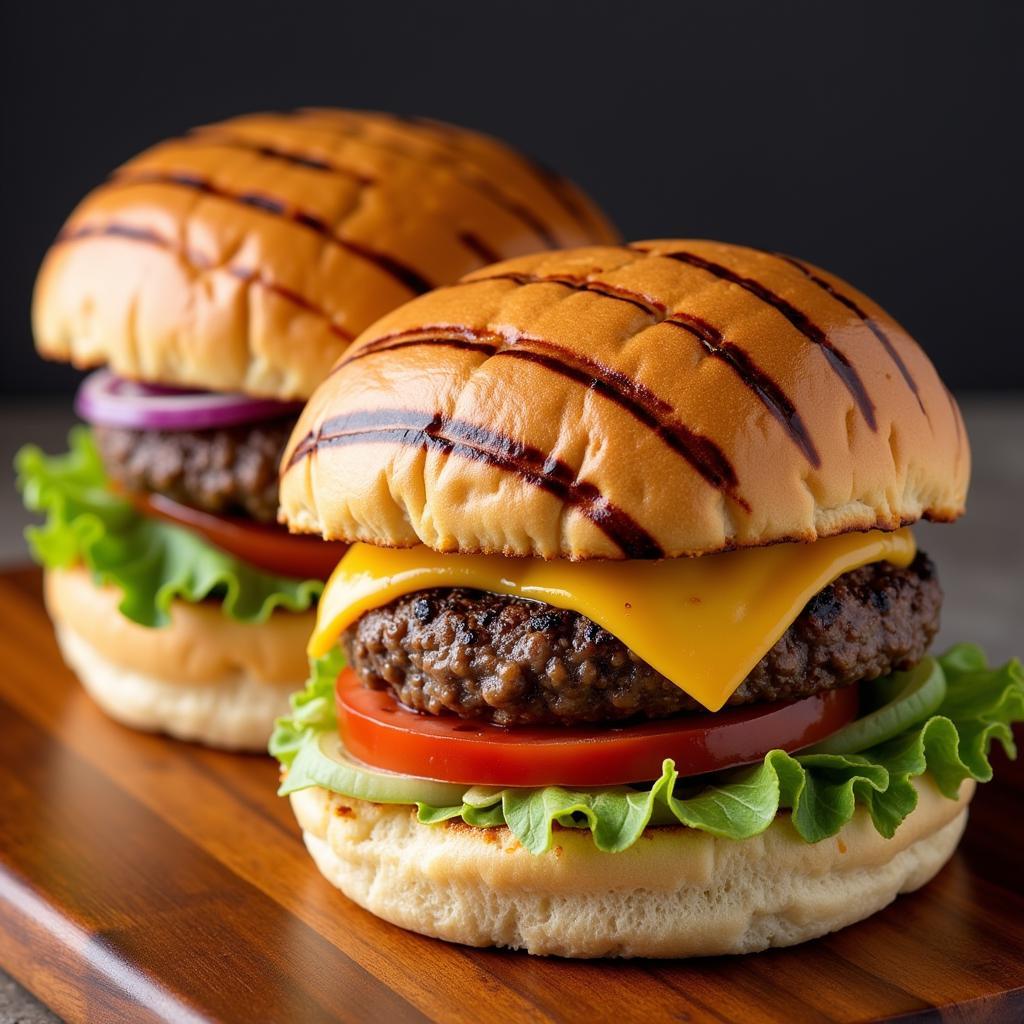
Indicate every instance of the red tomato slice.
{"type": "Point", "coordinates": [380, 732]}
{"type": "Point", "coordinates": [271, 548]}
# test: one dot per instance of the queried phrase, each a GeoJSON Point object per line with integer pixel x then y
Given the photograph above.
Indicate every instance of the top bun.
{"type": "Point", "coordinates": [662, 399]}
{"type": "Point", "coordinates": [247, 255]}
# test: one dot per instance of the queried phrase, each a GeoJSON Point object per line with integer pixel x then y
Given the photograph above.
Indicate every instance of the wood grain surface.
{"type": "Point", "coordinates": [143, 879]}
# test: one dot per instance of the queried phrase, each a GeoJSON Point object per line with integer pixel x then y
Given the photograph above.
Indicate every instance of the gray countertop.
{"type": "Point", "coordinates": [980, 559]}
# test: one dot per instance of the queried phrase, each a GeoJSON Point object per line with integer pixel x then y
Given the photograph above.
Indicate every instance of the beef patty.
{"type": "Point", "coordinates": [231, 471]}
{"type": "Point", "coordinates": [515, 662]}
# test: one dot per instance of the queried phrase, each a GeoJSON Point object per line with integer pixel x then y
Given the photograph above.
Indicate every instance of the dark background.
{"type": "Point", "coordinates": [883, 141]}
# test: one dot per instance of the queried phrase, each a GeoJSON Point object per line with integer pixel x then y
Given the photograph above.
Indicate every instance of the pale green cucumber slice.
{"type": "Point", "coordinates": [323, 761]}
{"type": "Point", "coordinates": [909, 698]}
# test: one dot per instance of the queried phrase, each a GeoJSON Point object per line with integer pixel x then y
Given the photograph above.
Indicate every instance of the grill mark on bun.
{"type": "Point", "coordinates": [459, 164]}
{"type": "Point", "coordinates": [645, 303]}
{"type": "Point", "coordinates": [483, 347]}
{"type": "Point", "coordinates": [129, 232]}
{"type": "Point", "coordinates": [657, 415]}
{"type": "Point", "coordinates": [216, 136]}
{"type": "Point", "coordinates": [434, 432]}
{"type": "Point", "coordinates": [562, 189]}
{"type": "Point", "coordinates": [774, 399]}
{"type": "Point", "coordinates": [252, 276]}
{"type": "Point", "coordinates": [452, 136]}
{"type": "Point", "coordinates": [837, 360]}
{"type": "Point", "coordinates": [957, 420]}
{"type": "Point", "coordinates": [274, 206]}
{"type": "Point", "coordinates": [557, 186]}
{"type": "Point", "coordinates": [700, 452]}
{"type": "Point", "coordinates": [476, 245]}
{"type": "Point", "coordinates": [869, 321]}
{"type": "Point", "coordinates": [449, 335]}
{"type": "Point", "coordinates": [249, 275]}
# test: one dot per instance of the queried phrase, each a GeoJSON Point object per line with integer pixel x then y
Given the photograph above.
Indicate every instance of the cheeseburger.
{"type": "Point", "coordinates": [628, 654]}
{"type": "Point", "coordinates": [214, 280]}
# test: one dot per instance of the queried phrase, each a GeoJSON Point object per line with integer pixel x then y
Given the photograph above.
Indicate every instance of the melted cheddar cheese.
{"type": "Point", "coordinates": [704, 623]}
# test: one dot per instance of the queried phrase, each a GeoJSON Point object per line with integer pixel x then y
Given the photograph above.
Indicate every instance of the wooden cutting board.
{"type": "Point", "coordinates": [143, 879]}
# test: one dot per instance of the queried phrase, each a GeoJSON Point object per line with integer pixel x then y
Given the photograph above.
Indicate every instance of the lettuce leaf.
{"type": "Point", "coordinates": [312, 712]}
{"type": "Point", "coordinates": [151, 562]}
{"type": "Point", "coordinates": [821, 791]}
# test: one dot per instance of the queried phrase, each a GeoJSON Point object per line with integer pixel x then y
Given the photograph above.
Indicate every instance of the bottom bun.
{"type": "Point", "coordinates": [677, 892]}
{"type": "Point", "coordinates": [204, 677]}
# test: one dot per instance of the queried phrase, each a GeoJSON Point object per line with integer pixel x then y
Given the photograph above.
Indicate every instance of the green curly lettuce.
{"type": "Point", "coordinates": [312, 711]}
{"type": "Point", "coordinates": [153, 563]}
{"type": "Point", "coordinates": [821, 791]}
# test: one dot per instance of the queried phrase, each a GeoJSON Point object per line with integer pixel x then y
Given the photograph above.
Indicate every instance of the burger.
{"type": "Point", "coordinates": [628, 655]}
{"type": "Point", "coordinates": [213, 281]}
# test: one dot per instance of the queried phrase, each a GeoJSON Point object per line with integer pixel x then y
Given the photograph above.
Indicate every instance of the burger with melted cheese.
{"type": "Point", "coordinates": [215, 279]}
{"type": "Point", "coordinates": [628, 655]}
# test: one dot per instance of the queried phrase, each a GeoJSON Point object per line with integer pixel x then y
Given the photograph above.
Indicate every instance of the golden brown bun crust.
{"type": "Point", "coordinates": [670, 398]}
{"type": "Point", "coordinates": [204, 677]}
{"type": "Point", "coordinates": [677, 892]}
{"type": "Point", "coordinates": [248, 254]}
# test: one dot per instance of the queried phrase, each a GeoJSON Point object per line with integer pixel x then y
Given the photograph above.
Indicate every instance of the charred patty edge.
{"type": "Point", "coordinates": [511, 661]}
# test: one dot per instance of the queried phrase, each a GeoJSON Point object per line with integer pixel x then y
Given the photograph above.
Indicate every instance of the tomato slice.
{"type": "Point", "coordinates": [271, 548]}
{"type": "Point", "coordinates": [380, 732]}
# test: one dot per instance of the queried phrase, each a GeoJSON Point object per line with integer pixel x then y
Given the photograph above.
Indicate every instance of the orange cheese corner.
{"type": "Point", "coordinates": [703, 623]}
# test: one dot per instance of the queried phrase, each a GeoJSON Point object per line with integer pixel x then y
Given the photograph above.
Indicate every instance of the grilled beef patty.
{"type": "Point", "coordinates": [515, 662]}
{"type": "Point", "coordinates": [231, 471]}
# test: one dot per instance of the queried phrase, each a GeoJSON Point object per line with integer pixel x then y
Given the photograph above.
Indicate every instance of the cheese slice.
{"type": "Point", "coordinates": [704, 623]}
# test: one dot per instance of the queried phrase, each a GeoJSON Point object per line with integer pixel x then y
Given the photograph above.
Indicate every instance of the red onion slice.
{"type": "Point", "coordinates": [111, 401]}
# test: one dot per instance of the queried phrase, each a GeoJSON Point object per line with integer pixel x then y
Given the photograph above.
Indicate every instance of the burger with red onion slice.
{"type": "Point", "coordinates": [628, 654]}
{"type": "Point", "coordinates": [213, 281]}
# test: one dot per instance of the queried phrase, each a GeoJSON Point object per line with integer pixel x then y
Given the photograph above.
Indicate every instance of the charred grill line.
{"type": "Point", "coordinates": [710, 337]}
{"type": "Point", "coordinates": [557, 186]}
{"type": "Point", "coordinates": [485, 348]}
{"type": "Point", "coordinates": [700, 452]}
{"type": "Point", "coordinates": [200, 262]}
{"type": "Point", "coordinates": [564, 191]}
{"type": "Point", "coordinates": [869, 321]}
{"type": "Point", "coordinates": [480, 444]}
{"type": "Point", "coordinates": [458, 164]}
{"type": "Point", "coordinates": [957, 420]}
{"type": "Point", "coordinates": [408, 277]}
{"type": "Point", "coordinates": [652, 307]}
{"type": "Point", "coordinates": [479, 247]}
{"type": "Point", "coordinates": [219, 137]}
{"type": "Point", "coordinates": [429, 334]}
{"type": "Point", "coordinates": [775, 400]}
{"type": "Point", "coordinates": [254, 277]}
{"type": "Point", "coordinates": [837, 360]}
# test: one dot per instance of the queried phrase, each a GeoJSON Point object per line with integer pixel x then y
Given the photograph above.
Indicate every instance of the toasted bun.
{"type": "Point", "coordinates": [247, 255]}
{"type": "Point", "coordinates": [677, 892]}
{"type": "Point", "coordinates": [204, 677]}
{"type": "Point", "coordinates": [670, 398]}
